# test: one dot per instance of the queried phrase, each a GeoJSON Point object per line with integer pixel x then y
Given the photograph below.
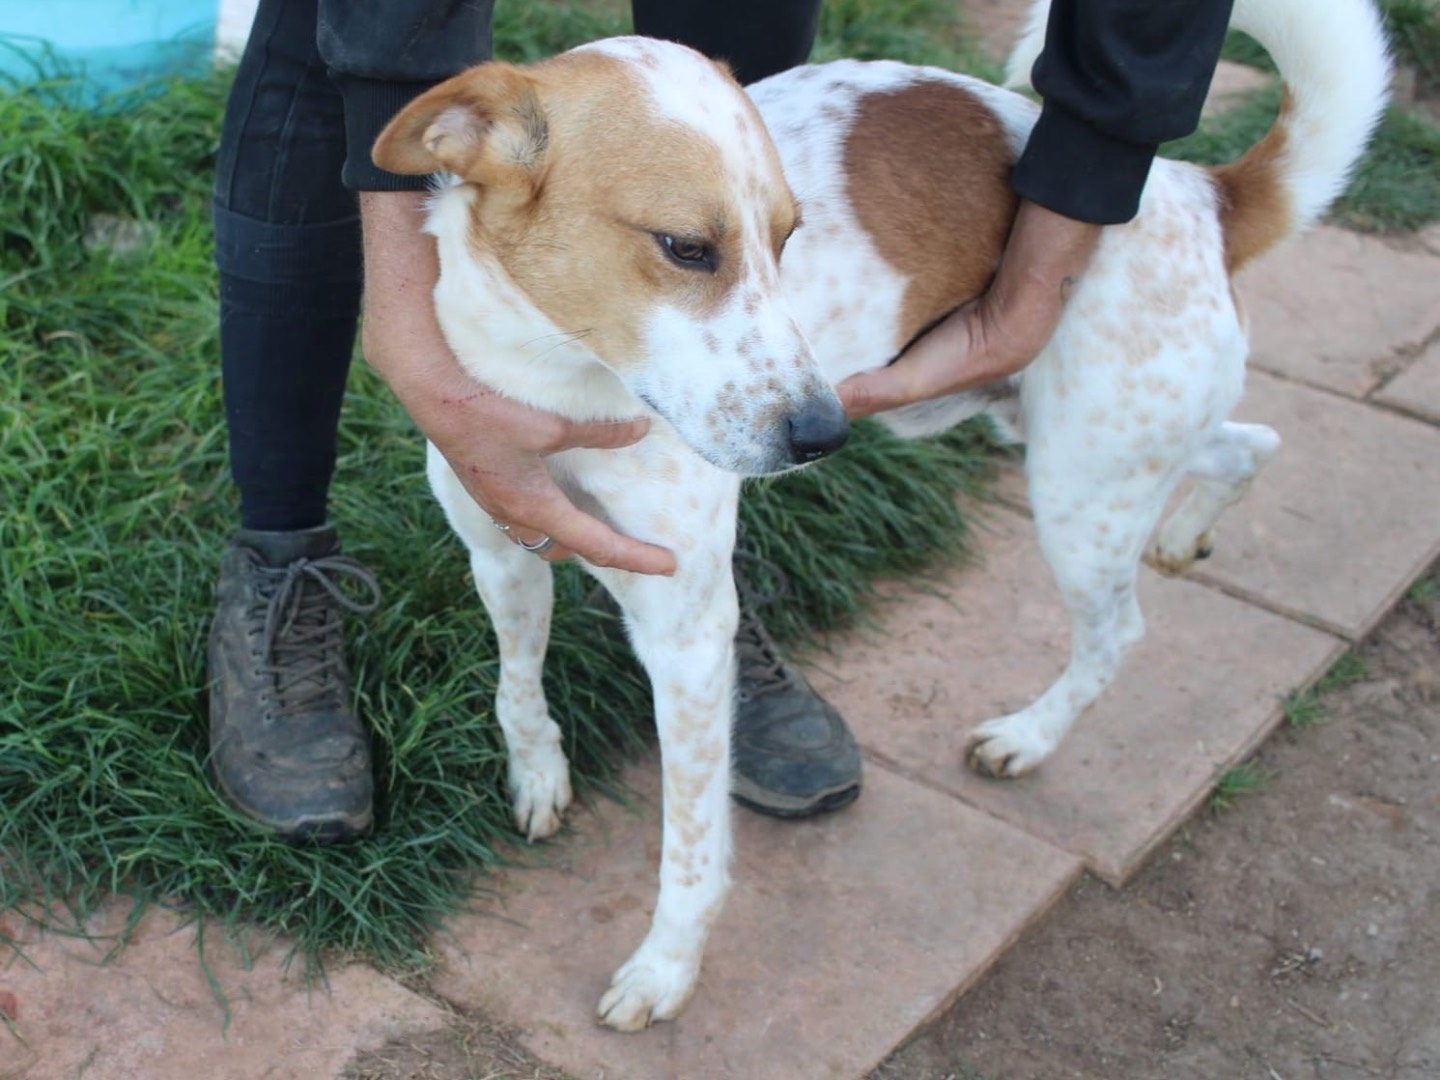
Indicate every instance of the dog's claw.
{"type": "Point", "coordinates": [540, 793]}
{"type": "Point", "coordinates": [644, 991]}
{"type": "Point", "coordinates": [1007, 747]}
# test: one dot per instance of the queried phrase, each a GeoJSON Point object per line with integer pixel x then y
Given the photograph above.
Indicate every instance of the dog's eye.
{"type": "Point", "coordinates": [687, 252]}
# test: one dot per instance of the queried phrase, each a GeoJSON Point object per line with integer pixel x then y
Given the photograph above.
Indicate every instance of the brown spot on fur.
{"type": "Point", "coordinates": [1255, 210]}
{"type": "Point", "coordinates": [941, 217]}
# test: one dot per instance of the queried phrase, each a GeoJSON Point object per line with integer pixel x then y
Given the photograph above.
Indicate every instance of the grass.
{"type": "Point", "coordinates": [117, 502]}
{"type": "Point", "coordinates": [1236, 782]}
{"type": "Point", "coordinates": [1425, 591]}
{"type": "Point", "coordinates": [1305, 708]}
{"type": "Point", "coordinates": [1302, 708]}
{"type": "Point", "coordinates": [1414, 27]}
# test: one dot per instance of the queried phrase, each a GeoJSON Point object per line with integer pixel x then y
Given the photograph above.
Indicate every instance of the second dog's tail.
{"type": "Point", "coordinates": [1335, 63]}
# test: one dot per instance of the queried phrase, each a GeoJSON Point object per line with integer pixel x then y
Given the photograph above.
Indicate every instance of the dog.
{"type": "Point", "coordinates": [610, 226]}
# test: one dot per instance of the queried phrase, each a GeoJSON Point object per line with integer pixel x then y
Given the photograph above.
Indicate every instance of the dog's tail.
{"type": "Point", "coordinates": [1335, 63]}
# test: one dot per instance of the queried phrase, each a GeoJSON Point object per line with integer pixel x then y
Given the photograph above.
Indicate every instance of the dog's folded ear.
{"type": "Point", "coordinates": [486, 125]}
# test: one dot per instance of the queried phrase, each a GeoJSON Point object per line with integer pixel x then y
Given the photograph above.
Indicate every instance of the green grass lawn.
{"type": "Point", "coordinates": [116, 502]}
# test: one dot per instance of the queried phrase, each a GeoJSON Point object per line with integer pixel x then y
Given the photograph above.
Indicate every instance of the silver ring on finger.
{"type": "Point", "coordinates": [540, 546]}
{"type": "Point", "coordinates": [500, 525]}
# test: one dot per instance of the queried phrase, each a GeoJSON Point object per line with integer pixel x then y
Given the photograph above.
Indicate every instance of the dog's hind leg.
{"type": "Point", "coordinates": [683, 631]}
{"type": "Point", "coordinates": [1222, 469]}
{"type": "Point", "coordinates": [518, 593]}
{"type": "Point", "coordinates": [1092, 535]}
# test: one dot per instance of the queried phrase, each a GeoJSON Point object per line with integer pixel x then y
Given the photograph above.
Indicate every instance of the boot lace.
{"type": "Point", "coordinates": [762, 669]}
{"type": "Point", "coordinates": [302, 643]}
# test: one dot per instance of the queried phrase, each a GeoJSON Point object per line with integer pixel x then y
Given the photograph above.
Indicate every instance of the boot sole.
{"type": "Point", "coordinates": [789, 807]}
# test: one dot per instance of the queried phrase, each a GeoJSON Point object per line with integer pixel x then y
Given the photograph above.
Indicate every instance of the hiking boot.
{"type": "Point", "coordinates": [286, 747]}
{"type": "Point", "coordinates": [793, 755]}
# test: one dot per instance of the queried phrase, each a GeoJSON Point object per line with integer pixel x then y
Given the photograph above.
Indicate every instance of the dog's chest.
{"type": "Point", "coordinates": [657, 490]}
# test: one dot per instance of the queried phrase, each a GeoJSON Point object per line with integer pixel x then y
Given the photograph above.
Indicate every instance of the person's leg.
{"type": "Point", "coordinates": [287, 243]}
{"type": "Point", "coordinates": [793, 754]}
{"type": "Point", "coordinates": [756, 38]}
{"type": "Point", "coordinates": [286, 747]}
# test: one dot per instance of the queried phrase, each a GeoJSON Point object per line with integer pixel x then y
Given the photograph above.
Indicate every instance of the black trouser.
{"type": "Point", "coordinates": [287, 235]}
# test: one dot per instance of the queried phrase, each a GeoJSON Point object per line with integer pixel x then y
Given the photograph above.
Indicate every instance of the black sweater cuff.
{"type": "Point", "coordinates": [1074, 169]}
{"type": "Point", "coordinates": [369, 106]}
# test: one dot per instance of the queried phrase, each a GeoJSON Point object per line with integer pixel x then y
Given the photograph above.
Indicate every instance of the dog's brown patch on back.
{"type": "Point", "coordinates": [928, 173]}
{"type": "Point", "coordinates": [1255, 211]}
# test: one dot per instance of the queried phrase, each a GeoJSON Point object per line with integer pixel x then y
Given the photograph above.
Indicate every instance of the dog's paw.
{"type": "Point", "coordinates": [540, 792]}
{"type": "Point", "coordinates": [1007, 747]}
{"type": "Point", "coordinates": [1174, 558]}
{"type": "Point", "coordinates": [647, 987]}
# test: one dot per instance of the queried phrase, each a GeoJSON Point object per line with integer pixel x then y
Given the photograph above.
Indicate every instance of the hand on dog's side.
{"type": "Point", "coordinates": [995, 335]}
{"type": "Point", "coordinates": [495, 445]}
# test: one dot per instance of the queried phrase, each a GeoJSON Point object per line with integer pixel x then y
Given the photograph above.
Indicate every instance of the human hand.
{"type": "Point", "coordinates": [995, 335]}
{"type": "Point", "coordinates": [496, 446]}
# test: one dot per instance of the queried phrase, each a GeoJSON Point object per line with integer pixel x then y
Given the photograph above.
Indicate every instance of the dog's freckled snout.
{"type": "Point", "coordinates": [816, 429]}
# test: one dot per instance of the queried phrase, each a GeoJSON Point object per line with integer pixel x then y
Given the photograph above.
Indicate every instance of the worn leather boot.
{"type": "Point", "coordinates": [793, 754]}
{"type": "Point", "coordinates": [286, 748]}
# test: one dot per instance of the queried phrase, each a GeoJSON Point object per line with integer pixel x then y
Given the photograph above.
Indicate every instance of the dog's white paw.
{"type": "Point", "coordinates": [1174, 555]}
{"type": "Point", "coordinates": [647, 987]}
{"type": "Point", "coordinates": [540, 791]}
{"type": "Point", "coordinates": [1008, 746]}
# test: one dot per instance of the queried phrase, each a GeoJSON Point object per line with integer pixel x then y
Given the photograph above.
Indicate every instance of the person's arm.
{"type": "Point", "coordinates": [1118, 77]}
{"type": "Point", "coordinates": [999, 333]}
{"type": "Point", "coordinates": [496, 446]}
{"type": "Point", "coordinates": [381, 54]}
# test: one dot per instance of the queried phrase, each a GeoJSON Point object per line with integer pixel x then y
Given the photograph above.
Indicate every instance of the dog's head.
{"type": "Point", "coordinates": [630, 191]}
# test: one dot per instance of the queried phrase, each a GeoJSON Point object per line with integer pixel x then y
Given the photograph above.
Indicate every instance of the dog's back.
{"type": "Point", "coordinates": [909, 178]}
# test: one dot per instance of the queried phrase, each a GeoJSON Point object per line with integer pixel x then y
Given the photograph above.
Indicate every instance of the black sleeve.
{"type": "Point", "coordinates": [382, 54]}
{"type": "Point", "coordinates": [1118, 77]}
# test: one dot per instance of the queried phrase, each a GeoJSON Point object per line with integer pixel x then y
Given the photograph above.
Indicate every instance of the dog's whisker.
{"type": "Point", "coordinates": [566, 338]}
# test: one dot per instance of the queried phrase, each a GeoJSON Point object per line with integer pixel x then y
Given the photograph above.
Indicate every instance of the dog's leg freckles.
{"type": "Point", "coordinates": [518, 594]}
{"type": "Point", "coordinates": [683, 631]}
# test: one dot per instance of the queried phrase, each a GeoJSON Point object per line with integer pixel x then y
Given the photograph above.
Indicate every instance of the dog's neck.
{"type": "Point", "coordinates": [502, 339]}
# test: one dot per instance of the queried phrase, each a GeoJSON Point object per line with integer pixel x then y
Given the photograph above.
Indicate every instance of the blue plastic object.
{"type": "Point", "coordinates": [109, 45]}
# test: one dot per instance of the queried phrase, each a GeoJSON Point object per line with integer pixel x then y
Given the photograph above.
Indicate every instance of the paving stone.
{"type": "Point", "coordinates": [840, 936]}
{"type": "Point", "coordinates": [1198, 694]}
{"type": "Point", "coordinates": [1417, 388]}
{"type": "Point", "coordinates": [1343, 520]}
{"type": "Point", "coordinates": [1231, 85]}
{"type": "Point", "coordinates": [1331, 308]}
{"type": "Point", "coordinates": [1429, 238]}
{"type": "Point", "coordinates": [994, 24]}
{"type": "Point", "coordinates": [150, 1014]}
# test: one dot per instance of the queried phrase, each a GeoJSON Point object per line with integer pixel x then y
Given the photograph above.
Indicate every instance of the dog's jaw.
{"type": "Point", "coordinates": [502, 339]}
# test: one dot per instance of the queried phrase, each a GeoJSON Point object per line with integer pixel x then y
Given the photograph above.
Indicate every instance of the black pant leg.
{"type": "Point", "coordinates": [287, 245]}
{"type": "Point", "coordinates": [755, 37]}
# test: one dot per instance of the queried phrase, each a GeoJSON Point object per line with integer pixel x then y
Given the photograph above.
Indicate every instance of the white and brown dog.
{"type": "Point", "coordinates": [610, 238]}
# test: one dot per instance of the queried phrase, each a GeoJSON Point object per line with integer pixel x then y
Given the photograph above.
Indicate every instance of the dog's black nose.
{"type": "Point", "coordinates": [816, 429]}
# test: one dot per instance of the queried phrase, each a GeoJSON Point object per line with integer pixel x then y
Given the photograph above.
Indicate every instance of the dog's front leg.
{"type": "Point", "coordinates": [683, 630]}
{"type": "Point", "coordinates": [518, 591]}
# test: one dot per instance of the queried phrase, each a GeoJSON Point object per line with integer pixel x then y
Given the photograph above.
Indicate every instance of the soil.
{"type": "Point", "coordinates": [1289, 932]}
{"type": "Point", "coordinates": [1293, 933]}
